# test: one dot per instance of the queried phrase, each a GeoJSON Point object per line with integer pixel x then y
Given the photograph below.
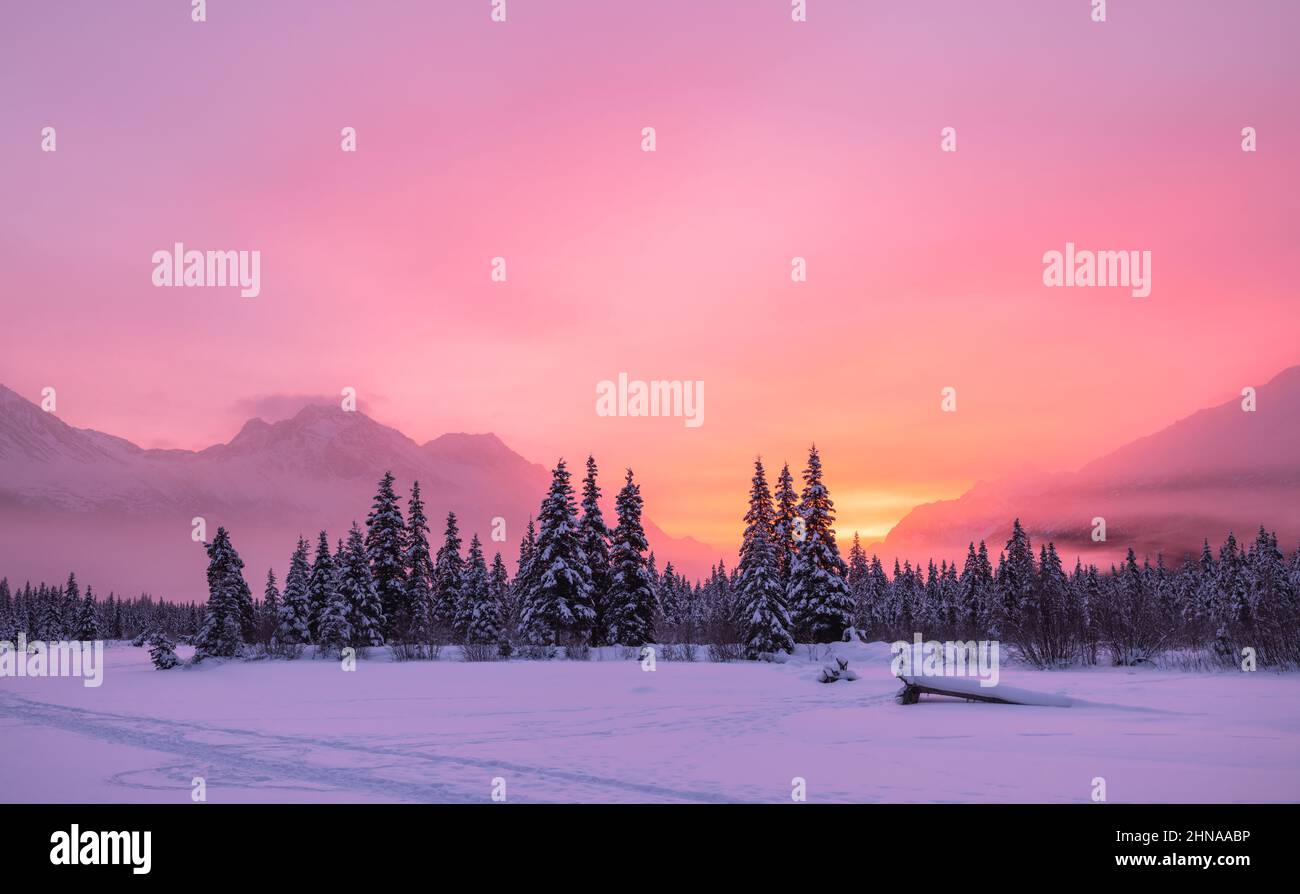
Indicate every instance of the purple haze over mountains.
{"type": "Point", "coordinates": [1221, 469]}
{"type": "Point", "coordinates": [120, 515]}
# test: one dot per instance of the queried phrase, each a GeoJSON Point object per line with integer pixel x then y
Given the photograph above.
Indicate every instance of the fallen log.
{"type": "Point", "coordinates": [971, 690]}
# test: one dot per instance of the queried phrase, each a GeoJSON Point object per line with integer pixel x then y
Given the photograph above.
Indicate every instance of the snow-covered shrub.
{"type": "Point", "coordinates": [837, 670]}
{"type": "Point", "coordinates": [162, 651]}
{"type": "Point", "coordinates": [578, 652]}
{"type": "Point", "coordinates": [726, 652]}
{"type": "Point", "coordinates": [479, 652]}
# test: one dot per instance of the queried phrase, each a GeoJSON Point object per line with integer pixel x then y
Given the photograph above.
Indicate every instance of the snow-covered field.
{"type": "Point", "coordinates": [606, 730]}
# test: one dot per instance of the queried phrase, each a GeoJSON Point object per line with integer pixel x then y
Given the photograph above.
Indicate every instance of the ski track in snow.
{"type": "Point", "coordinates": [241, 759]}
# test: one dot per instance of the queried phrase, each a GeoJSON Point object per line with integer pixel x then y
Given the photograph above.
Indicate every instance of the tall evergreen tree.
{"type": "Point", "coordinates": [558, 607]}
{"type": "Point", "coordinates": [448, 570]}
{"type": "Point", "coordinates": [480, 617]}
{"type": "Point", "coordinates": [523, 580]}
{"type": "Point", "coordinates": [419, 578]}
{"type": "Point", "coordinates": [291, 628]}
{"type": "Point", "coordinates": [762, 600]}
{"type": "Point", "coordinates": [595, 537]}
{"type": "Point", "coordinates": [70, 611]}
{"type": "Point", "coordinates": [270, 614]}
{"type": "Point", "coordinates": [859, 580]}
{"type": "Point", "coordinates": [357, 590]}
{"type": "Point", "coordinates": [1015, 582]}
{"type": "Point", "coordinates": [385, 550]}
{"type": "Point", "coordinates": [223, 625]}
{"type": "Point", "coordinates": [88, 629]}
{"type": "Point", "coordinates": [976, 590]}
{"type": "Point", "coordinates": [631, 606]}
{"type": "Point", "coordinates": [320, 586]}
{"type": "Point", "coordinates": [499, 582]}
{"type": "Point", "coordinates": [784, 524]}
{"type": "Point", "coordinates": [817, 594]}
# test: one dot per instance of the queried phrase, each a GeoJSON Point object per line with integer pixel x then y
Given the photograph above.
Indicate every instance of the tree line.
{"type": "Point", "coordinates": [580, 583]}
{"type": "Point", "coordinates": [53, 612]}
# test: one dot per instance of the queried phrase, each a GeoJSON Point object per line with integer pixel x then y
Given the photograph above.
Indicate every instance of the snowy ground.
{"type": "Point", "coordinates": [608, 731]}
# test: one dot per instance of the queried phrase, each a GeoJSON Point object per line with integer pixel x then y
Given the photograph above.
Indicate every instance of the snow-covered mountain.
{"type": "Point", "coordinates": [1217, 470]}
{"type": "Point", "coordinates": [121, 515]}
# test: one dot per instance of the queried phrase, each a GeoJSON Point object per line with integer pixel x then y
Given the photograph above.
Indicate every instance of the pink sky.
{"type": "Point", "coordinates": [775, 139]}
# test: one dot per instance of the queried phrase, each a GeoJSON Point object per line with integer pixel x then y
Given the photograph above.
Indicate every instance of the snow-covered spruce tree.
{"type": "Point", "coordinates": [1015, 582]}
{"type": "Point", "coordinates": [222, 632]}
{"type": "Point", "coordinates": [522, 584]}
{"type": "Point", "coordinates": [448, 570]}
{"type": "Point", "coordinates": [334, 630]}
{"type": "Point", "coordinates": [419, 575]}
{"type": "Point", "coordinates": [762, 601]}
{"type": "Point", "coordinates": [500, 590]}
{"type": "Point", "coordinates": [818, 596]}
{"type": "Point", "coordinates": [385, 550]}
{"type": "Point", "coordinates": [357, 589]}
{"type": "Point", "coordinates": [859, 577]}
{"type": "Point", "coordinates": [162, 650]}
{"type": "Point", "coordinates": [499, 581]}
{"type": "Point", "coordinates": [877, 599]}
{"type": "Point", "coordinates": [784, 525]}
{"type": "Point", "coordinates": [49, 624]}
{"type": "Point", "coordinates": [557, 607]}
{"type": "Point", "coordinates": [320, 585]}
{"type": "Point", "coordinates": [631, 605]}
{"type": "Point", "coordinates": [88, 629]}
{"type": "Point", "coordinates": [670, 605]}
{"type": "Point", "coordinates": [976, 591]}
{"type": "Point", "coordinates": [291, 629]}
{"type": "Point", "coordinates": [270, 613]}
{"type": "Point", "coordinates": [595, 536]}
{"type": "Point", "coordinates": [483, 622]}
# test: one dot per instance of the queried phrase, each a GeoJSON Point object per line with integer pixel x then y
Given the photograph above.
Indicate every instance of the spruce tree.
{"type": "Point", "coordinates": [270, 608]}
{"type": "Point", "coordinates": [595, 537]}
{"type": "Point", "coordinates": [817, 594]}
{"type": "Point", "coordinates": [88, 629]}
{"type": "Point", "coordinates": [291, 628]}
{"type": "Point", "coordinates": [419, 576]}
{"type": "Point", "coordinates": [223, 627]}
{"type": "Point", "coordinates": [763, 612]}
{"type": "Point", "coordinates": [631, 604]}
{"type": "Point", "coordinates": [46, 615]}
{"type": "Point", "coordinates": [70, 610]}
{"type": "Point", "coordinates": [320, 585]}
{"type": "Point", "coordinates": [480, 619]}
{"type": "Point", "coordinates": [522, 584]}
{"type": "Point", "coordinates": [1015, 581]}
{"type": "Point", "coordinates": [448, 570]}
{"type": "Point", "coordinates": [557, 608]}
{"type": "Point", "coordinates": [365, 613]}
{"type": "Point", "coordinates": [499, 584]}
{"type": "Point", "coordinates": [334, 629]}
{"type": "Point", "coordinates": [859, 579]}
{"type": "Point", "coordinates": [784, 524]}
{"type": "Point", "coordinates": [162, 651]}
{"type": "Point", "coordinates": [385, 533]}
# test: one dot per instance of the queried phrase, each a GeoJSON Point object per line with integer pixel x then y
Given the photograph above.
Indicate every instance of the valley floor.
{"type": "Point", "coordinates": [605, 730]}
